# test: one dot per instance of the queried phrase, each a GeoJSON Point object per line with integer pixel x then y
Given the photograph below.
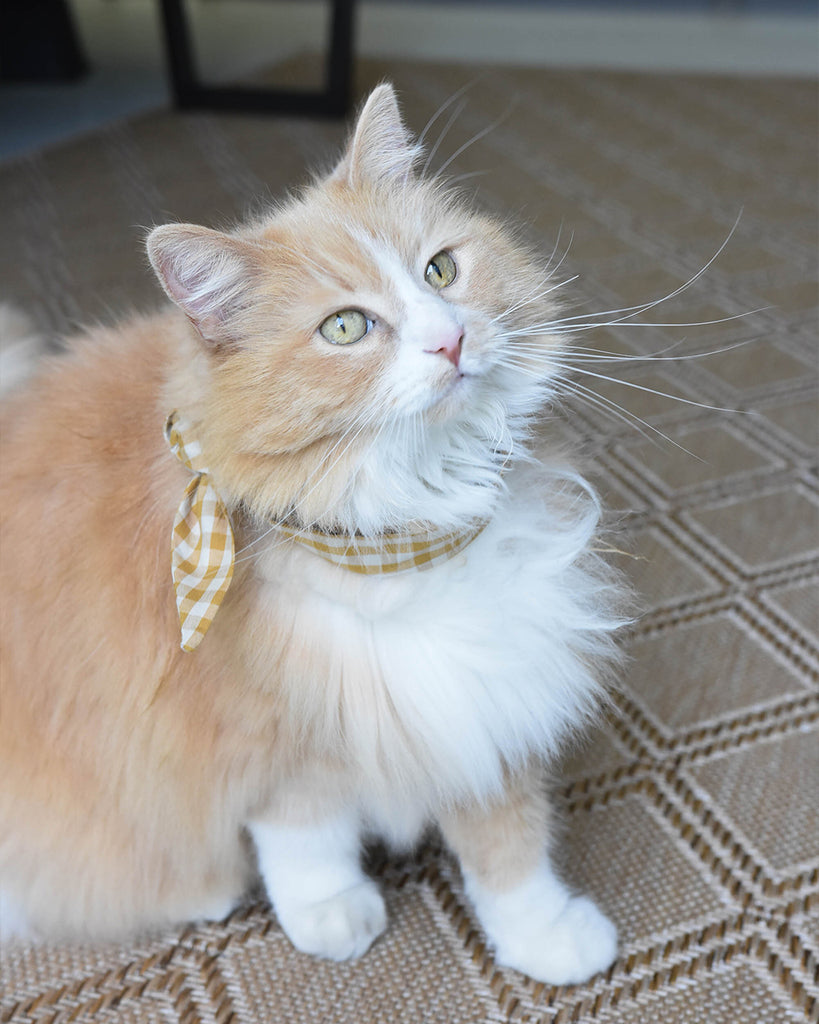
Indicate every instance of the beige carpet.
{"type": "Point", "coordinates": [693, 816]}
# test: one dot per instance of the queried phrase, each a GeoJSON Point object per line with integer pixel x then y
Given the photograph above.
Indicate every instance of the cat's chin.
{"type": "Point", "coordinates": [451, 400]}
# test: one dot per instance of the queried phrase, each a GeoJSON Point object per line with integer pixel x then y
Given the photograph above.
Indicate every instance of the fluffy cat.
{"type": "Point", "coordinates": [359, 363]}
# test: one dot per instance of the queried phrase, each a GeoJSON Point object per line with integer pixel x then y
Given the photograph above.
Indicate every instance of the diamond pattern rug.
{"type": "Point", "coordinates": [692, 814]}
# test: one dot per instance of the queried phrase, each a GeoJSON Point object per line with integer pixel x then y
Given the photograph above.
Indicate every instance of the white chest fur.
{"type": "Point", "coordinates": [427, 683]}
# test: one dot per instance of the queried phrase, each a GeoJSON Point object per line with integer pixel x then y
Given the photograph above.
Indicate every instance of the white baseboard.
{"type": "Point", "coordinates": [559, 37]}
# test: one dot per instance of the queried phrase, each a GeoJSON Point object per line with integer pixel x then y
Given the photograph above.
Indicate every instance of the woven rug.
{"type": "Point", "coordinates": [692, 814]}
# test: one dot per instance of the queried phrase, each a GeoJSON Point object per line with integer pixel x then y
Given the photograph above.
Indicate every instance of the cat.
{"type": "Point", "coordinates": [409, 616]}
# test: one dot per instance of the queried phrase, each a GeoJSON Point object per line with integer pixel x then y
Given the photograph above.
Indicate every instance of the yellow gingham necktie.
{"type": "Point", "coordinates": [203, 549]}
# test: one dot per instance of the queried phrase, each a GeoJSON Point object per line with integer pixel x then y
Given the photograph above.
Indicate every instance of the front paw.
{"type": "Point", "coordinates": [339, 928]}
{"type": "Point", "coordinates": [566, 950]}
{"type": "Point", "coordinates": [538, 927]}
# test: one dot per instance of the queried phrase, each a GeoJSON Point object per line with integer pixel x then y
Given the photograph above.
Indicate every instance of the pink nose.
{"type": "Point", "coordinates": [449, 345]}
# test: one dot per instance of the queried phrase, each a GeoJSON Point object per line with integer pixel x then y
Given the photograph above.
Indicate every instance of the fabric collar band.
{"type": "Point", "coordinates": [390, 553]}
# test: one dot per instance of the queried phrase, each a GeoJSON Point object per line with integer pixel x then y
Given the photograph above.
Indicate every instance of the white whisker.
{"type": "Point", "coordinates": [602, 356]}
{"type": "Point", "coordinates": [475, 138]}
{"type": "Point", "coordinates": [467, 176]}
{"type": "Point", "coordinates": [444, 132]}
{"type": "Point", "coordinates": [633, 311]}
{"type": "Point", "coordinates": [528, 300]}
{"type": "Point", "coordinates": [643, 387]}
{"type": "Point", "coordinates": [554, 327]}
{"type": "Point", "coordinates": [444, 106]}
{"type": "Point", "coordinates": [619, 412]}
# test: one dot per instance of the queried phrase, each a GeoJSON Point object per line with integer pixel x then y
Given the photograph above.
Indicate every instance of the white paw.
{"type": "Point", "coordinates": [339, 928]}
{"type": "Point", "coordinates": [538, 927]}
{"type": "Point", "coordinates": [567, 950]}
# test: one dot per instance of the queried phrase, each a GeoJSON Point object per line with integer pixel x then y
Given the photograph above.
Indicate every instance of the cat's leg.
{"type": "Point", "coordinates": [14, 922]}
{"type": "Point", "coordinates": [534, 921]}
{"type": "Point", "coordinates": [322, 898]}
{"type": "Point", "coordinates": [216, 909]}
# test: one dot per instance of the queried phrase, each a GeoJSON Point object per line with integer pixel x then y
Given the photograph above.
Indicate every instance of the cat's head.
{"type": "Point", "coordinates": [358, 344]}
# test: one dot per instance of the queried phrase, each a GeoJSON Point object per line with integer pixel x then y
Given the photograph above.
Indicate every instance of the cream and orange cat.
{"type": "Point", "coordinates": [415, 618]}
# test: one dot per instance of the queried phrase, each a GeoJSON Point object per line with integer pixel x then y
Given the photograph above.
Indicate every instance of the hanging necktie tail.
{"type": "Point", "coordinates": [202, 544]}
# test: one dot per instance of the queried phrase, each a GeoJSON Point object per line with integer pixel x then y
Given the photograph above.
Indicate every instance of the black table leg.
{"type": "Point", "coordinates": [189, 92]}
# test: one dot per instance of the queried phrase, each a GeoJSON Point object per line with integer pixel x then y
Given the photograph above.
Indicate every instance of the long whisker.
{"type": "Point", "coordinates": [577, 328]}
{"type": "Point", "coordinates": [592, 355]}
{"type": "Point", "coordinates": [456, 113]}
{"type": "Point", "coordinates": [564, 257]}
{"type": "Point", "coordinates": [604, 403]}
{"type": "Point", "coordinates": [475, 138]}
{"type": "Point", "coordinates": [619, 412]}
{"type": "Point", "coordinates": [633, 311]}
{"type": "Point", "coordinates": [529, 299]}
{"type": "Point", "coordinates": [467, 176]}
{"type": "Point", "coordinates": [644, 387]}
{"type": "Point", "coordinates": [444, 106]}
{"type": "Point", "coordinates": [556, 246]}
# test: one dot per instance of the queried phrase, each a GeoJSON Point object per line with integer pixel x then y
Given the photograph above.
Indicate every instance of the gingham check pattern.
{"type": "Point", "coordinates": [388, 554]}
{"type": "Point", "coordinates": [202, 549]}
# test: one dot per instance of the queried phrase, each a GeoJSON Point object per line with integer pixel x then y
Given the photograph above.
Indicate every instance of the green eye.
{"type": "Point", "coordinates": [345, 327]}
{"type": "Point", "coordinates": [441, 270]}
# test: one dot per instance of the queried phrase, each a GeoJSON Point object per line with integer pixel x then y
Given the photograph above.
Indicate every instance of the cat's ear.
{"type": "Point", "coordinates": [206, 273]}
{"type": "Point", "coordinates": [380, 147]}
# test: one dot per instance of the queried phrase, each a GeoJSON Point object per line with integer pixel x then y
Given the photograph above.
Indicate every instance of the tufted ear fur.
{"type": "Point", "coordinates": [206, 273]}
{"type": "Point", "coordinates": [380, 147]}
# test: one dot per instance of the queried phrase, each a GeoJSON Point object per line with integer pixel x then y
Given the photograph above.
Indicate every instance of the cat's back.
{"type": "Point", "coordinates": [82, 480]}
{"type": "Point", "coordinates": [99, 389]}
